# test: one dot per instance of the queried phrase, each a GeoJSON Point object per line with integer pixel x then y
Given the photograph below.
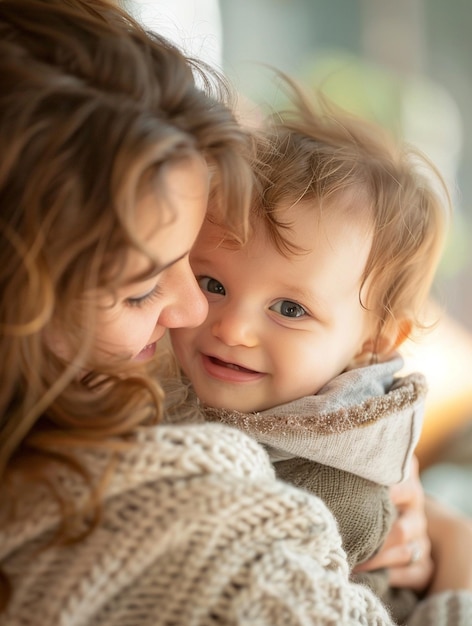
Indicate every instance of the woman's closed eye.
{"type": "Point", "coordinates": [211, 285]}
{"type": "Point", "coordinates": [146, 298]}
{"type": "Point", "coordinates": [288, 308]}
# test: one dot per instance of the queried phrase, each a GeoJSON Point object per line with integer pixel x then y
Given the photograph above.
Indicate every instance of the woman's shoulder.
{"type": "Point", "coordinates": [181, 450]}
{"type": "Point", "coordinates": [199, 502]}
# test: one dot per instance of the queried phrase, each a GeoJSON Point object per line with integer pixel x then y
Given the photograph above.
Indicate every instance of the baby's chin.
{"type": "Point", "coordinates": [234, 402]}
{"type": "Point", "coordinates": [230, 405]}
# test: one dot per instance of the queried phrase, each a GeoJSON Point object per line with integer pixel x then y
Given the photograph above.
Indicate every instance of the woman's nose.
{"type": "Point", "coordinates": [234, 326]}
{"type": "Point", "coordinates": [188, 306]}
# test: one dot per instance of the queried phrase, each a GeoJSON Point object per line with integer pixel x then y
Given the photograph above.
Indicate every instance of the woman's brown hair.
{"type": "Point", "coordinates": [91, 107]}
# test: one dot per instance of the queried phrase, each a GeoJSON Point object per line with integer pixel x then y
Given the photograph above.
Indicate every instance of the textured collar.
{"type": "Point", "coordinates": [365, 421]}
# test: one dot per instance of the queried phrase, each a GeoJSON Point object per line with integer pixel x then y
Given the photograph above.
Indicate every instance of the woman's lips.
{"type": "Point", "coordinates": [146, 353]}
{"type": "Point", "coordinates": [229, 372]}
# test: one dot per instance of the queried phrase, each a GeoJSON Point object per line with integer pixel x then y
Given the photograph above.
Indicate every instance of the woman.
{"type": "Point", "coordinates": [109, 155]}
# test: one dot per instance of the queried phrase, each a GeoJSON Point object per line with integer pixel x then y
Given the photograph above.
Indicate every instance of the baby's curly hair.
{"type": "Point", "coordinates": [314, 151]}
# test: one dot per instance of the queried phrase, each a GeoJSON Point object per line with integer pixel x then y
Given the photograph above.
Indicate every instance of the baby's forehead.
{"type": "Point", "coordinates": [350, 201]}
{"type": "Point", "coordinates": [215, 234]}
{"type": "Point", "coordinates": [289, 221]}
{"type": "Point", "coordinates": [287, 226]}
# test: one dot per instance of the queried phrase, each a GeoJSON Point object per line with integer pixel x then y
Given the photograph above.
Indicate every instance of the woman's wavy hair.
{"type": "Point", "coordinates": [91, 108]}
{"type": "Point", "coordinates": [313, 151]}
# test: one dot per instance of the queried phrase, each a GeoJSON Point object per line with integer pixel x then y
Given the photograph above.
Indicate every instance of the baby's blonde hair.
{"type": "Point", "coordinates": [316, 152]}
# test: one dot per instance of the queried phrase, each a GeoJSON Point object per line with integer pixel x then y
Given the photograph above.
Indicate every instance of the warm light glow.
{"type": "Point", "coordinates": [444, 356]}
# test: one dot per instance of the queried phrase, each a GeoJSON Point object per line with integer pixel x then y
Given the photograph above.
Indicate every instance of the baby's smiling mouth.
{"type": "Point", "coordinates": [231, 366]}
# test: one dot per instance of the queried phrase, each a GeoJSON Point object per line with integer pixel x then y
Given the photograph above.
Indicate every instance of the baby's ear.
{"type": "Point", "coordinates": [403, 331]}
{"type": "Point", "coordinates": [380, 348]}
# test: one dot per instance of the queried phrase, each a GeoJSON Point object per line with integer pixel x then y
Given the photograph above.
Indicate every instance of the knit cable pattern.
{"type": "Point", "coordinates": [195, 532]}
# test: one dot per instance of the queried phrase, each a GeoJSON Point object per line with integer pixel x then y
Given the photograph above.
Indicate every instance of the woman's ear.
{"type": "Point", "coordinates": [380, 348]}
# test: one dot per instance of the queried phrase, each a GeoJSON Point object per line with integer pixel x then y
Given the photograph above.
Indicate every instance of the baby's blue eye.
{"type": "Point", "coordinates": [287, 308]}
{"type": "Point", "coordinates": [211, 285]}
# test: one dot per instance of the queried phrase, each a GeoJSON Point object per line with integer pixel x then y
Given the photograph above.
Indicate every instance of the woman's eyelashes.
{"type": "Point", "coordinates": [146, 298]}
{"type": "Point", "coordinates": [211, 285]}
{"type": "Point", "coordinates": [288, 308]}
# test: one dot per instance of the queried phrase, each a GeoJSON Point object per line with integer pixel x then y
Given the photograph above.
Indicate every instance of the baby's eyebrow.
{"type": "Point", "coordinates": [204, 254]}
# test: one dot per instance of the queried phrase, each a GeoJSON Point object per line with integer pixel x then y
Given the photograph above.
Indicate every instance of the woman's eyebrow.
{"type": "Point", "coordinates": [164, 267]}
{"type": "Point", "coordinates": [156, 271]}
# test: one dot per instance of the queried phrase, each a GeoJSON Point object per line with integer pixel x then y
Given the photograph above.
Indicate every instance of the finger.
{"type": "Point", "coordinates": [410, 491]}
{"type": "Point", "coordinates": [409, 526]}
{"type": "Point", "coordinates": [415, 576]}
{"type": "Point", "coordinates": [398, 557]}
{"type": "Point", "coordinates": [406, 496]}
{"type": "Point", "coordinates": [393, 557]}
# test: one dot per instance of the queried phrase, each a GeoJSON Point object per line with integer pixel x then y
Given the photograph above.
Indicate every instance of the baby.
{"type": "Point", "coordinates": [299, 348]}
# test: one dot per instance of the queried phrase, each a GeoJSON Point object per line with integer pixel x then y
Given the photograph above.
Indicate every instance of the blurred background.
{"type": "Point", "coordinates": [406, 64]}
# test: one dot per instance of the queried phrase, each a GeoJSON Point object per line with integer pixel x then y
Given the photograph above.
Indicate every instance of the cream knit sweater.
{"type": "Point", "coordinates": [347, 444]}
{"type": "Point", "coordinates": [195, 531]}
